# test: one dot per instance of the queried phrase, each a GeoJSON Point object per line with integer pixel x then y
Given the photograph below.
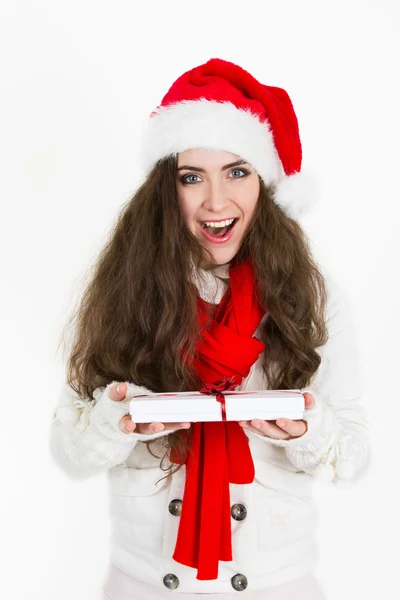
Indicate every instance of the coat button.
{"type": "Point", "coordinates": [175, 507]}
{"type": "Point", "coordinates": [238, 512]}
{"type": "Point", "coordinates": [239, 582]}
{"type": "Point", "coordinates": [171, 581]}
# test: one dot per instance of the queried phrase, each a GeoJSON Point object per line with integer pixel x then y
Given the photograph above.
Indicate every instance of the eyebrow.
{"type": "Point", "coordinates": [233, 164]}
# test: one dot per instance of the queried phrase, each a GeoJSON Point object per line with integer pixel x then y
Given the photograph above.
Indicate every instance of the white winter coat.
{"type": "Point", "coordinates": [276, 542]}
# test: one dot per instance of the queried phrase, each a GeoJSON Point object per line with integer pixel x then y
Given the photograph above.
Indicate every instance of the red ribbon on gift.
{"type": "Point", "coordinates": [218, 387]}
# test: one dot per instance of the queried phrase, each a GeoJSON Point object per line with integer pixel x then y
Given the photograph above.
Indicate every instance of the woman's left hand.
{"type": "Point", "coordinates": [282, 429]}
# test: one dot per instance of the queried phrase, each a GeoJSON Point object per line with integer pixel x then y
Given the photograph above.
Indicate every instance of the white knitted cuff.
{"type": "Point", "coordinates": [107, 414]}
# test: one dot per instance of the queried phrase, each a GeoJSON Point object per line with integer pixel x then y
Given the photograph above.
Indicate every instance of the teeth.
{"type": "Point", "coordinates": [218, 225]}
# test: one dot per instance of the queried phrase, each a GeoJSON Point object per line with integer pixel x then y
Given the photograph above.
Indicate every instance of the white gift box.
{"type": "Point", "coordinates": [195, 406]}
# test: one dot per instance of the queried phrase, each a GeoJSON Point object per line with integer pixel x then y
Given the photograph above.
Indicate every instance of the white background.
{"type": "Point", "coordinates": [78, 79]}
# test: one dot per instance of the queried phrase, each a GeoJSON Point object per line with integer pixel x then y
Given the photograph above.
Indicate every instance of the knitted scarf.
{"type": "Point", "coordinates": [220, 452]}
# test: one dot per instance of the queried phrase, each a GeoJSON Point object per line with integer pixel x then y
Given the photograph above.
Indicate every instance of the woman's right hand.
{"type": "Point", "coordinates": [127, 425]}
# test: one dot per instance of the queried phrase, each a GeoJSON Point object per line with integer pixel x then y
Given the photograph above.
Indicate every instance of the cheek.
{"type": "Point", "coordinates": [190, 202]}
{"type": "Point", "coordinates": [249, 197]}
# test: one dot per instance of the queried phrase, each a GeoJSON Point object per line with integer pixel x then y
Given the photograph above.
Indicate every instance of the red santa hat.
{"type": "Point", "coordinates": [220, 106]}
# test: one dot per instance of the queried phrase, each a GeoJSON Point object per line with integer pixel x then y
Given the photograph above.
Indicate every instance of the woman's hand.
{"type": "Point", "coordinates": [282, 429]}
{"type": "Point", "coordinates": [127, 425]}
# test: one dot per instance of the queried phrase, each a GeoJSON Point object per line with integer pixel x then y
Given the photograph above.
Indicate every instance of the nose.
{"type": "Point", "coordinates": [216, 198]}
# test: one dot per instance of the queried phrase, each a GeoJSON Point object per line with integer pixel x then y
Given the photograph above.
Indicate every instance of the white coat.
{"type": "Point", "coordinates": [276, 542]}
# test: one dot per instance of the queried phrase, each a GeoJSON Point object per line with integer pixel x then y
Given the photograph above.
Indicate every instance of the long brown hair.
{"type": "Point", "coordinates": [136, 320]}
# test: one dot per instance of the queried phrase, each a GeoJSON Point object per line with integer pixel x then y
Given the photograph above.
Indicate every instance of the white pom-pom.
{"type": "Point", "coordinates": [296, 194]}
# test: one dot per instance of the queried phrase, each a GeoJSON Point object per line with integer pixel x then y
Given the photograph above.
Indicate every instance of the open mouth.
{"type": "Point", "coordinates": [218, 229]}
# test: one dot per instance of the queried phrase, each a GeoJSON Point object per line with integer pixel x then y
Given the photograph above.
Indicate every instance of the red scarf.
{"type": "Point", "coordinates": [220, 451]}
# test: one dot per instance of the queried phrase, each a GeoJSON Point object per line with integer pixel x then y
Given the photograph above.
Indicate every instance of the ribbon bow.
{"type": "Point", "coordinates": [217, 387]}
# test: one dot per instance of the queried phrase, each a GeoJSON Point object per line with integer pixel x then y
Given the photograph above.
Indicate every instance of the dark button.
{"type": "Point", "coordinates": [238, 512]}
{"type": "Point", "coordinates": [171, 581]}
{"type": "Point", "coordinates": [175, 507]}
{"type": "Point", "coordinates": [239, 582]}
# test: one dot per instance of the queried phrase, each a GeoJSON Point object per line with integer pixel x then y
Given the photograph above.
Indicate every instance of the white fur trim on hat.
{"type": "Point", "coordinates": [222, 126]}
{"type": "Point", "coordinates": [215, 126]}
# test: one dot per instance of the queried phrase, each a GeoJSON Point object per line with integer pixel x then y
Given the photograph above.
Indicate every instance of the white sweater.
{"type": "Point", "coordinates": [276, 542]}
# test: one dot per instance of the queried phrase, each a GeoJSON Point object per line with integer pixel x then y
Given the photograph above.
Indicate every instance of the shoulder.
{"type": "Point", "coordinates": [341, 352]}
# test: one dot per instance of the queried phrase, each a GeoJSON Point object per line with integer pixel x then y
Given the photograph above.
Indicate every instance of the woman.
{"type": "Point", "coordinates": [207, 275]}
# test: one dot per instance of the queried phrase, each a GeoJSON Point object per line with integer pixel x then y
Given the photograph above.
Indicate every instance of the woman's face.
{"type": "Point", "coordinates": [218, 193]}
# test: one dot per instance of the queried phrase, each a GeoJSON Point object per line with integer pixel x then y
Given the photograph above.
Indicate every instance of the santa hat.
{"type": "Point", "coordinates": [220, 106]}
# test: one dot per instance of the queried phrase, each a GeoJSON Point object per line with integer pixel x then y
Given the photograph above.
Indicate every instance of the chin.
{"type": "Point", "coordinates": [224, 255]}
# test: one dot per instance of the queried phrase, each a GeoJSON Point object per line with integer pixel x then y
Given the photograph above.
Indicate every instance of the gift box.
{"type": "Point", "coordinates": [233, 406]}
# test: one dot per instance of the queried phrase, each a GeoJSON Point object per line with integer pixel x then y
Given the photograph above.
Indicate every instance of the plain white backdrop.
{"type": "Point", "coordinates": [78, 80]}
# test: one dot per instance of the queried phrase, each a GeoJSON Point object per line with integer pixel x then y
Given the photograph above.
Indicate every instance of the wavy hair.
{"type": "Point", "coordinates": [136, 319]}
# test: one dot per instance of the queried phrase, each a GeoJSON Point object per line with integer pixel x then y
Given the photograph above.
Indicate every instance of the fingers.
{"type": "Point", "coordinates": [119, 394]}
{"type": "Point", "coordinates": [309, 400]}
{"type": "Point", "coordinates": [267, 428]}
{"type": "Point", "coordinates": [282, 429]}
{"type": "Point", "coordinates": [126, 424]}
{"type": "Point", "coordinates": [293, 428]}
{"type": "Point", "coordinates": [149, 428]}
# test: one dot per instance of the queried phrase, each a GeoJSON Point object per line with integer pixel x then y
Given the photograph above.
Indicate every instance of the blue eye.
{"type": "Point", "coordinates": [185, 178]}
{"type": "Point", "coordinates": [240, 170]}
